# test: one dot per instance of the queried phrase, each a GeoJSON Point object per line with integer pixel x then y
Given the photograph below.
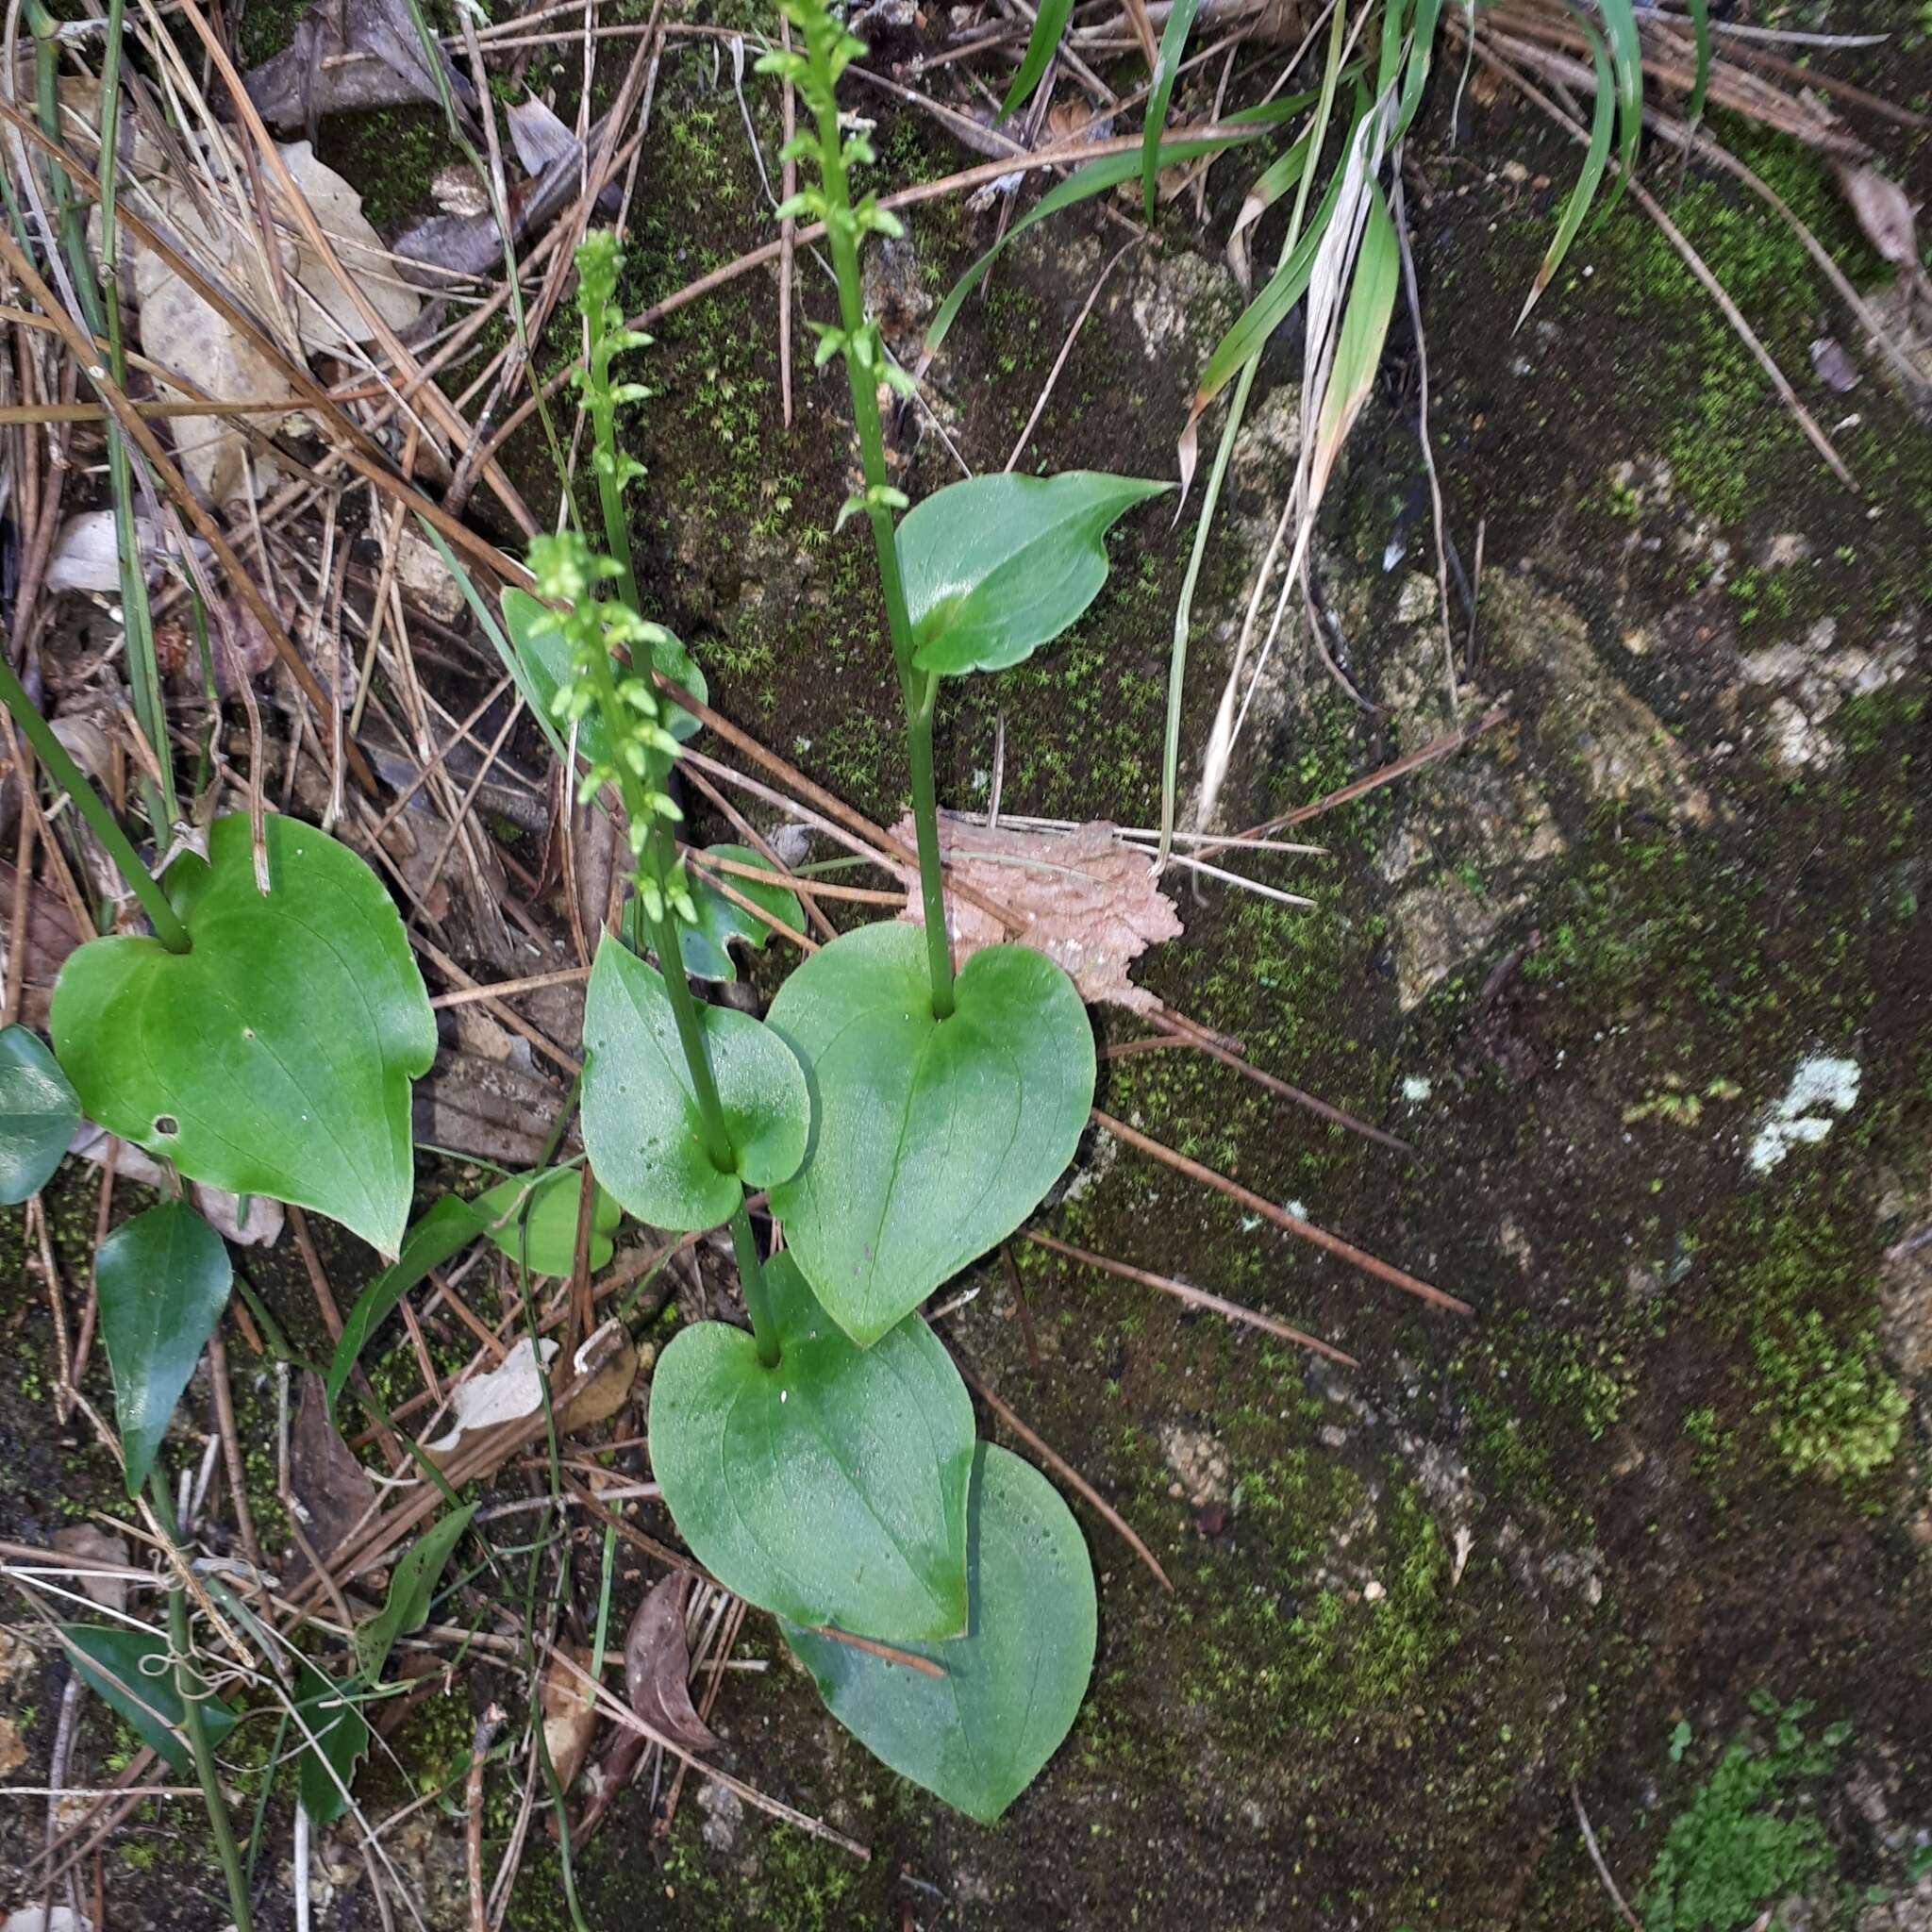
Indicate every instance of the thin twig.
{"type": "Point", "coordinates": [1068, 1473]}
{"type": "Point", "coordinates": [1596, 1858]}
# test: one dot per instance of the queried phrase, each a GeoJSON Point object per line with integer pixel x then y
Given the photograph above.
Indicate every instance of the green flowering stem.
{"type": "Point", "coordinates": [598, 265]}
{"type": "Point", "coordinates": [639, 752]}
{"type": "Point", "coordinates": [828, 49]}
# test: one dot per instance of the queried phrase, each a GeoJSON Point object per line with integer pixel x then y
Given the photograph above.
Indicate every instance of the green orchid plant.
{"type": "Point", "coordinates": [901, 1117]}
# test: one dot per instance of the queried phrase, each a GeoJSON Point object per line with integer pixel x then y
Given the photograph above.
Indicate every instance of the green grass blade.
{"type": "Point", "coordinates": [1364, 330]}
{"type": "Point", "coordinates": [1048, 25]}
{"type": "Point", "coordinates": [1627, 57]}
{"type": "Point", "coordinates": [1096, 178]}
{"type": "Point", "coordinates": [1594, 160]}
{"type": "Point", "coordinates": [1428, 16]}
{"type": "Point", "coordinates": [1700, 27]}
{"type": "Point", "coordinates": [1265, 313]}
{"type": "Point", "coordinates": [1174, 43]}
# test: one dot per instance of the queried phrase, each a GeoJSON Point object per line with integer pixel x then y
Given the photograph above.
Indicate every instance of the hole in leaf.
{"type": "Point", "coordinates": [166, 1124]}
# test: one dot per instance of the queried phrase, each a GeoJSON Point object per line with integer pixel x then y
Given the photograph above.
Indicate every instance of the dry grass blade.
{"type": "Point", "coordinates": [1067, 1475]}
{"type": "Point", "coordinates": [1290, 1224]}
{"type": "Point", "coordinates": [1194, 1297]}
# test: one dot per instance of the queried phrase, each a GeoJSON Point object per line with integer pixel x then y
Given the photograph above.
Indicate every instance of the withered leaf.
{"type": "Point", "coordinates": [1888, 218]}
{"type": "Point", "coordinates": [360, 54]}
{"type": "Point", "coordinates": [332, 1490]}
{"type": "Point", "coordinates": [657, 1666]}
{"type": "Point", "coordinates": [1836, 369]}
{"type": "Point", "coordinates": [568, 1702]}
{"type": "Point", "coordinates": [606, 1393]}
{"type": "Point", "coordinates": [1089, 902]}
{"type": "Point", "coordinates": [95, 1544]}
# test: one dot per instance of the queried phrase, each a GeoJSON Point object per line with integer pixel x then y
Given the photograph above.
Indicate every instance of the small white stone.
{"type": "Point", "coordinates": [1374, 1592]}
{"type": "Point", "coordinates": [1415, 1090]}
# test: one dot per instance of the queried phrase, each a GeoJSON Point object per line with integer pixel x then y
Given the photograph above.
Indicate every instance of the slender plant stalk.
{"type": "Point", "coordinates": [143, 669]}
{"type": "Point", "coordinates": [102, 317]}
{"type": "Point", "coordinates": [67, 775]}
{"type": "Point", "coordinates": [190, 1688]}
{"type": "Point", "coordinates": [826, 44]}
{"type": "Point", "coordinates": [656, 855]}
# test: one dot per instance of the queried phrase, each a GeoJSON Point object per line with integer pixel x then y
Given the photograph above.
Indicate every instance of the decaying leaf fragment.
{"type": "Point", "coordinates": [1089, 902]}
{"type": "Point", "coordinates": [657, 1666]}
{"type": "Point", "coordinates": [1885, 213]}
{"type": "Point", "coordinates": [345, 55]}
{"type": "Point", "coordinates": [569, 1698]}
{"type": "Point", "coordinates": [332, 1492]}
{"type": "Point", "coordinates": [512, 1391]}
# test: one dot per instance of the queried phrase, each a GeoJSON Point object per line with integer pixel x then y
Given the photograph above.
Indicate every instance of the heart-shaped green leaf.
{"type": "Point", "coordinates": [133, 1671]}
{"type": "Point", "coordinates": [39, 1112]}
{"type": "Point", "coordinates": [544, 661]}
{"type": "Point", "coordinates": [932, 1139]}
{"type": "Point", "coordinates": [411, 1588]}
{"type": "Point", "coordinates": [163, 1280]}
{"type": "Point", "coordinates": [275, 1057]}
{"type": "Point", "coordinates": [831, 1488]}
{"type": "Point", "coordinates": [979, 1736]}
{"type": "Point", "coordinates": [996, 566]}
{"type": "Point", "coordinates": [640, 1116]}
{"type": "Point", "coordinates": [707, 946]}
{"type": "Point", "coordinates": [549, 1246]}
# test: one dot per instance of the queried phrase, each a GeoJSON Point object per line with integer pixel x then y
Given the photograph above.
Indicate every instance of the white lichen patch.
{"type": "Point", "coordinates": [1821, 1088]}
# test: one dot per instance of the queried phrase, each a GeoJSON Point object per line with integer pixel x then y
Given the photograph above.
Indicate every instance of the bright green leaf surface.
{"type": "Point", "coordinates": [163, 1280]}
{"type": "Point", "coordinates": [979, 1736]}
{"type": "Point", "coordinates": [275, 1057]}
{"type": "Point", "coordinates": [412, 1586]}
{"type": "Point", "coordinates": [931, 1141]}
{"type": "Point", "coordinates": [1048, 25]}
{"type": "Point", "coordinates": [131, 1670]}
{"type": "Point", "coordinates": [641, 1119]}
{"type": "Point", "coordinates": [326, 1768]}
{"type": "Point", "coordinates": [39, 1112]}
{"type": "Point", "coordinates": [997, 566]}
{"type": "Point", "coordinates": [1167, 67]}
{"type": "Point", "coordinates": [830, 1489]}
{"type": "Point", "coordinates": [1596, 158]}
{"type": "Point", "coordinates": [545, 659]}
{"type": "Point", "coordinates": [707, 946]}
{"type": "Point", "coordinates": [548, 1242]}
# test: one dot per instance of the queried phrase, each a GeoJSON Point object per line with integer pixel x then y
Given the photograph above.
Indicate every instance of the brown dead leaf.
{"type": "Point", "coordinates": [1075, 120]}
{"type": "Point", "coordinates": [569, 1699]}
{"type": "Point", "coordinates": [1882, 210]}
{"type": "Point", "coordinates": [1089, 902]}
{"type": "Point", "coordinates": [606, 1393]}
{"type": "Point", "coordinates": [511, 1393]}
{"type": "Point", "coordinates": [347, 55]}
{"type": "Point", "coordinates": [329, 320]}
{"type": "Point", "coordinates": [332, 1490]}
{"type": "Point", "coordinates": [95, 1544]}
{"type": "Point", "coordinates": [184, 333]}
{"type": "Point", "coordinates": [482, 1105]}
{"type": "Point", "coordinates": [657, 1666]}
{"type": "Point", "coordinates": [12, 1752]}
{"type": "Point", "coordinates": [50, 936]}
